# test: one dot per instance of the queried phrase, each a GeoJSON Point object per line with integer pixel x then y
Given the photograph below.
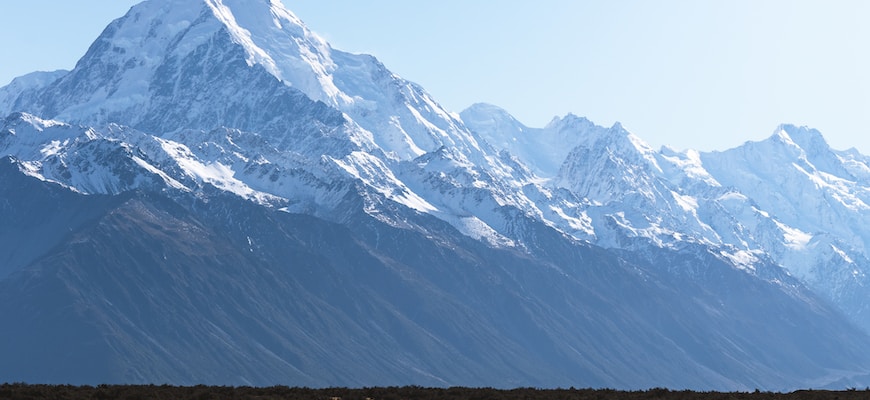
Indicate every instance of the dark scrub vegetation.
{"type": "Point", "coordinates": [20, 391]}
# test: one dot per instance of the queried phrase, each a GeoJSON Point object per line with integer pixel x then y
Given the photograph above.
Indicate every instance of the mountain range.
{"type": "Point", "coordinates": [216, 195]}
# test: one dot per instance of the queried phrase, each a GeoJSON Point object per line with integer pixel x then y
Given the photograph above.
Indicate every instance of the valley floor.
{"type": "Point", "coordinates": [20, 391]}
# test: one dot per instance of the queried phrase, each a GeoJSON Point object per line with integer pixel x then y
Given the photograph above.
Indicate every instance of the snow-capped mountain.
{"type": "Point", "coordinates": [816, 198]}
{"type": "Point", "coordinates": [181, 68]}
{"type": "Point", "coordinates": [243, 194]}
{"type": "Point", "coordinates": [790, 198]}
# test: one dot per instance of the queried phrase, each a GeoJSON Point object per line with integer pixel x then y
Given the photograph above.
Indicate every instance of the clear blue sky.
{"type": "Point", "coordinates": [700, 74]}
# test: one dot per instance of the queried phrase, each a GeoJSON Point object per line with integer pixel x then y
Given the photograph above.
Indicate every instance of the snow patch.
{"type": "Point", "coordinates": [794, 238]}
{"type": "Point", "coordinates": [742, 259]}
{"type": "Point", "coordinates": [688, 203]}
{"type": "Point", "coordinates": [242, 36]}
{"type": "Point", "coordinates": [166, 178]}
{"type": "Point", "coordinates": [842, 254]}
{"type": "Point", "coordinates": [374, 173]}
{"type": "Point", "coordinates": [732, 197]}
{"type": "Point", "coordinates": [583, 224]}
{"type": "Point", "coordinates": [53, 148]}
{"type": "Point", "coordinates": [214, 173]}
{"type": "Point", "coordinates": [475, 228]}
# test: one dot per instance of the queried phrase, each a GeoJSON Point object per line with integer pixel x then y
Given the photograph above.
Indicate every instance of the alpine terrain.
{"type": "Point", "coordinates": [215, 195]}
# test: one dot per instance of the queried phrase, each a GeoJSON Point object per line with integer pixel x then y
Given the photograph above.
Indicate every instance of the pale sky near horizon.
{"type": "Point", "coordinates": [699, 74]}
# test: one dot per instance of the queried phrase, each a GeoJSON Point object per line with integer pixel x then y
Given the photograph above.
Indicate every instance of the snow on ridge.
{"type": "Point", "coordinates": [53, 147]}
{"type": "Point", "coordinates": [278, 40]}
{"type": "Point", "coordinates": [404, 120]}
{"type": "Point", "coordinates": [579, 227]}
{"type": "Point", "coordinates": [742, 259]}
{"type": "Point", "coordinates": [215, 173]}
{"type": "Point", "coordinates": [166, 178]}
{"type": "Point", "coordinates": [687, 203]}
{"type": "Point", "coordinates": [475, 228]}
{"type": "Point", "coordinates": [375, 174]}
{"type": "Point", "coordinates": [40, 124]}
{"type": "Point", "coordinates": [794, 238]}
{"type": "Point", "coordinates": [687, 164]}
{"type": "Point", "coordinates": [242, 36]}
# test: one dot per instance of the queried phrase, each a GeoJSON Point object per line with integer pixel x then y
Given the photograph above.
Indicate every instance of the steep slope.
{"type": "Point", "coordinates": [170, 65]}
{"type": "Point", "coordinates": [194, 65]}
{"type": "Point", "coordinates": [818, 198]}
{"type": "Point", "coordinates": [37, 217]}
{"type": "Point", "coordinates": [22, 86]}
{"type": "Point", "coordinates": [543, 150]}
{"type": "Point", "coordinates": [224, 291]}
{"type": "Point", "coordinates": [143, 70]}
{"type": "Point", "coordinates": [790, 199]}
{"type": "Point", "coordinates": [606, 184]}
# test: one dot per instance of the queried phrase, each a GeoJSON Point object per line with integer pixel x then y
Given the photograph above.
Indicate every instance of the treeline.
{"type": "Point", "coordinates": [20, 391]}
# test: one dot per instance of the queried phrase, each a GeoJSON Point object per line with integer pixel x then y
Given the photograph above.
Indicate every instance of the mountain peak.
{"type": "Point", "coordinates": [262, 29]}
{"type": "Point", "coordinates": [590, 134]}
{"type": "Point", "coordinates": [488, 109]}
{"type": "Point", "coordinates": [570, 121]}
{"type": "Point", "coordinates": [145, 49]}
{"type": "Point", "coordinates": [494, 123]}
{"type": "Point", "coordinates": [271, 35]}
{"type": "Point", "coordinates": [808, 139]}
{"type": "Point", "coordinates": [148, 70]}
{"type": "Point", "coordinates": [20, 118]}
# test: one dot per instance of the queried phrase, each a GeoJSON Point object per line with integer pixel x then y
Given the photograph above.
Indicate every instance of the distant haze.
{"type": "Point", "coordinates": [705, 75]}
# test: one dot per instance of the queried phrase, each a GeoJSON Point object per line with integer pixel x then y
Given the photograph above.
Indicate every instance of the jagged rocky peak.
{"type": "Point", "coordinates": [405, 121]}
{"type": "Point", "coordinates": [779, 143]}
{"type": "Point", "coordinates": [570, 122]}
{"type": "Point", "coordinates": [542, 149]}
{"type": "Point", "coordinates": [580, 131]}
{"type": "Point", "coordinates": [161, 52]}
{"type": "Point", "coordinates": [816, 150]}
{"type": "Point", "coordinates": [35, 79]}
{"type": "Point", "coordinates": [808, 139]}
{"type": "Point", "coordinates": [272, 37]}
{"type": "Point", "coordinates": [23, 118]}
{"type": "Point", "coordinates": [790, 141]}
{"type": "Point", "coordinates": [135, 50]}
{"type": "Point", "coordinates": [799, 146]}
{"type": "Point", "coordinates": [608, 164]}
{"type": "Point", "coordinates": [277, 40]}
